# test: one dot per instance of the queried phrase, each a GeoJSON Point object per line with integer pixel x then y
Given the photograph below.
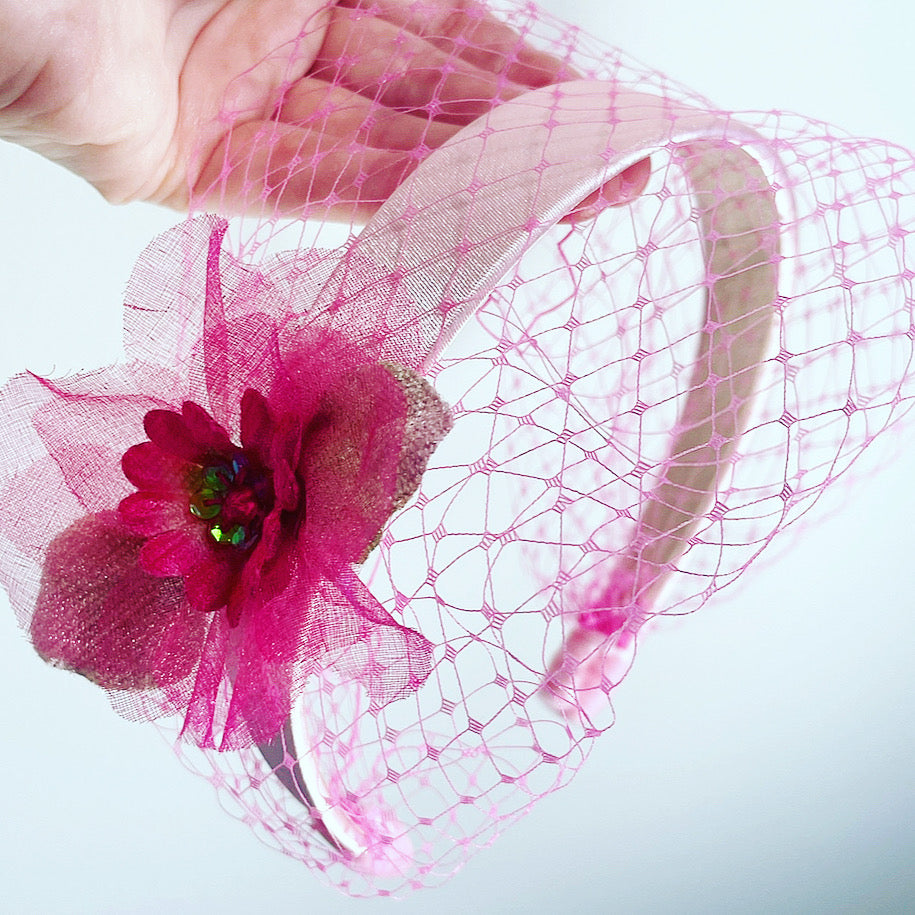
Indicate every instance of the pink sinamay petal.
{"type": "Point", "coordinates": [299, 616]}
{"type": "Point", "coordinates": [320, 614]}
{"type": "Point", "coordinates": [215, 332]}
{"type": "Point", "coordinates": [99, 614]}
{"type": "Point", "coordinates": [389, 658]}
{"type": "Point", "coordinates": [87, 436]}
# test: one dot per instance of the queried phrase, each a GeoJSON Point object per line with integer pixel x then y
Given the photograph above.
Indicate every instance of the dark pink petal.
{"type": "Point", "coordinates": [149, 468]}
{"type": "Point", "coordinates": [169, 431]}
{"type": "Point", "coordinates": [273, 540]}
{"type": "Point", "coordinates": [148, 514]}
{"type": "Point", "coordinates": [286, 440]}
{"type": "Point", "coordinates": [176, 552]}
{"type": "Point", "coordinates": [99, 614]}
{"type": "Point", "coordinates": [283, 457]}
{"type": "Point", "coordinates": [209, 584]}
{"type": "Point", "coordinates": [256, 425]}
{"type": "Point", "coordinates": [205, 431]}
{"type": "Point", "coordinates": [265, 576]}
{"type": "Point", "coordinates": [286, 488]}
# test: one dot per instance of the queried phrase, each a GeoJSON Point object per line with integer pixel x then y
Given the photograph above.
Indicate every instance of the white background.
{"type": "Point", "coordinates": [763, 758]}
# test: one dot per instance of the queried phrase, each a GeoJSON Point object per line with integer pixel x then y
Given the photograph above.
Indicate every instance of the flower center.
{"type": "Point", "coordinates": [232, 497]}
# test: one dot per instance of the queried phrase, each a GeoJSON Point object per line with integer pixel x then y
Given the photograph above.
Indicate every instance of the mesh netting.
{"type": "Point", "coordinates": [642, 395]}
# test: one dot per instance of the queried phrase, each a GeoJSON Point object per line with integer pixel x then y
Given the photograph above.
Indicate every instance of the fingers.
{"type": "Point", "coordinates": [393, 80]}
{"type": "Point", "coordinates": [620, 190]}
{"type": "Point", "coordinates": [325, 108]}
{"type": "Point", "coordinates": [400, 69]}
{"type": "Point", "coordinates": [265, 168]}
{"type": "Point", "coordinates": [338, 155]}
{"type": "Point", "coordinates": [466, 29]}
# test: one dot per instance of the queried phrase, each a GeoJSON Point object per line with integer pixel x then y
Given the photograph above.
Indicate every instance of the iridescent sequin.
{"type": "Point", "coordinates": [233, 496]}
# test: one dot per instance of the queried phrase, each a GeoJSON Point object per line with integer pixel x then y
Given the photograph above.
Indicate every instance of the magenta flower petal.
{"type": "Point", "coordinates": [204, 430]}
{"type": "Point", "coordinates": [149, 468]}
{"type": "Point", "coordinates": [173, 553]}
{"type": "Point", "coordinates": [99, 614]}
{"type": "Point", "coordinates": [285, 448]}
{"type": "Point", "coordinates": [273, 541]}
{"type": "Point", "coordinates": [255, 420]}
{"type": "Point", "coordinates": [148, 514]}
{"type": "Point", "coordinates": [168, 431]}
{"type": "Point", "coordinates": [209, 585]}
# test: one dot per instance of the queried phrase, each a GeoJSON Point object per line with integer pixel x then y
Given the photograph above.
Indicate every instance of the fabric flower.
{"type": "Point", "coordinates": [183, 529]}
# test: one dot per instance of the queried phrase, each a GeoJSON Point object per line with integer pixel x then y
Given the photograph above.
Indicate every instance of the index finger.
{"type": "Point", "coordinates": [469, 31]}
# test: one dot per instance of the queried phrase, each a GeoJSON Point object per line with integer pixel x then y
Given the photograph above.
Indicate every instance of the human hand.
{"type": "Point", "coordinates": [256, 105]}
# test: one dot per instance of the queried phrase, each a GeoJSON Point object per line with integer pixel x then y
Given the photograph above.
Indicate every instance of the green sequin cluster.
{"type": "Point", "coordinates": [227, 499]}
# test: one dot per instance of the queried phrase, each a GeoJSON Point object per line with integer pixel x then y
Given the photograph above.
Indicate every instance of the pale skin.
{"type": "Point", "coordinates": [132, 95]}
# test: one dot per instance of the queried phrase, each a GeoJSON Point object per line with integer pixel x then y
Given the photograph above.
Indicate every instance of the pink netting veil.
{"type": "Point", "coordinates": [380, 522]}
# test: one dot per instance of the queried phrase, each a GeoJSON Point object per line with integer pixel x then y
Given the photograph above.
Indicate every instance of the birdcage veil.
{"type": "Point", "coordinates": [599, 473]}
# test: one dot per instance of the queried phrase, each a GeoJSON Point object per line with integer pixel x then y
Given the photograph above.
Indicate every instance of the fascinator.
{"type": "Point", "coordinates": [381, 526]}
